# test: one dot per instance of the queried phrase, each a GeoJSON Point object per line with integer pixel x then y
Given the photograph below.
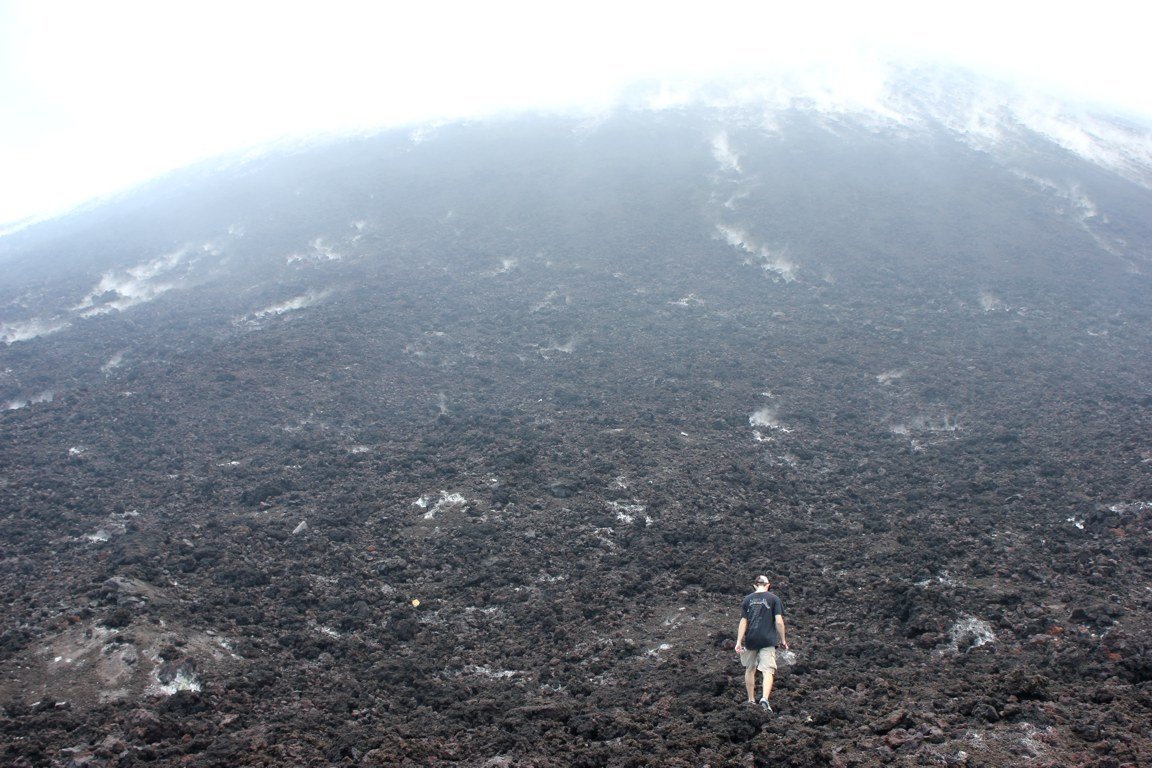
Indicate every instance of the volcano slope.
{"type": "Point", "coordinates": [572, 386]}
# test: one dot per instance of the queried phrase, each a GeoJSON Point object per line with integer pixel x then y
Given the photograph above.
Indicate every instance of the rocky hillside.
{"type": "Point", "coordinates": [460, 447]}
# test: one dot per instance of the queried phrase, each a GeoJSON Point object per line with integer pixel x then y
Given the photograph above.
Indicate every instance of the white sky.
{"type": "Point", "coordinates": [97, 95]}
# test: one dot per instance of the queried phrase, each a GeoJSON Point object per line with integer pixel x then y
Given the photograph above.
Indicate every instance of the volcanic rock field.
{"type": "Point", "coordinates": [460, 447]}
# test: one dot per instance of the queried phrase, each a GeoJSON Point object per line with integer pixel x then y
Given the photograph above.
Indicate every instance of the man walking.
{"type": "Point", "coordinates": [761, 630]}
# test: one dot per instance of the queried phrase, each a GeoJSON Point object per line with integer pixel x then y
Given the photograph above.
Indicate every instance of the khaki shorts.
{"type": "Point", "coordinates": [764, 659]}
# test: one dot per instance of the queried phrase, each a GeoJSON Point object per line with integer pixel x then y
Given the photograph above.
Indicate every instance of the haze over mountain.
{"type": "Point", "coordinates": [571, 383]}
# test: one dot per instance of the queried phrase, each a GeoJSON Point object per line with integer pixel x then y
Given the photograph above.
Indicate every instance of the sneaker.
{"type": "Point", "coordinates": [764, 705]}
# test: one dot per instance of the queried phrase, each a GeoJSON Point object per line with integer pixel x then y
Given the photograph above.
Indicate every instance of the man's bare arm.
{"type": "Point", "coordinates": [740, 634]}
{"type": "Point", "coordinates": [780, 633]}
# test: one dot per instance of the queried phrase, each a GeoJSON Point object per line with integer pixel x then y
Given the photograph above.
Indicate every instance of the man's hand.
{"type": "Point", "coordinates": [739, 648]}
{"type": "Point", "coordinates": [784, 644]}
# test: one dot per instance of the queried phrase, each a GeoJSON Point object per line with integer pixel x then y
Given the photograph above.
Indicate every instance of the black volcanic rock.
{"type": "Point", "coordinates": [458, 447]}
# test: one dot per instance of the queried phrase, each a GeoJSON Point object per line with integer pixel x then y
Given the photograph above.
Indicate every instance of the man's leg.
{"type": "Point", "coordinates": [769, 676]}
{"type": "Point", "coordinates": [750, 681]}
{"type": "Point", "coordinates": [767, 663]}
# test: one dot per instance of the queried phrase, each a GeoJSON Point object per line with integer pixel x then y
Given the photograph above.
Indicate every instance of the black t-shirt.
{"type": "Point", "coordinates": [761, 610]}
